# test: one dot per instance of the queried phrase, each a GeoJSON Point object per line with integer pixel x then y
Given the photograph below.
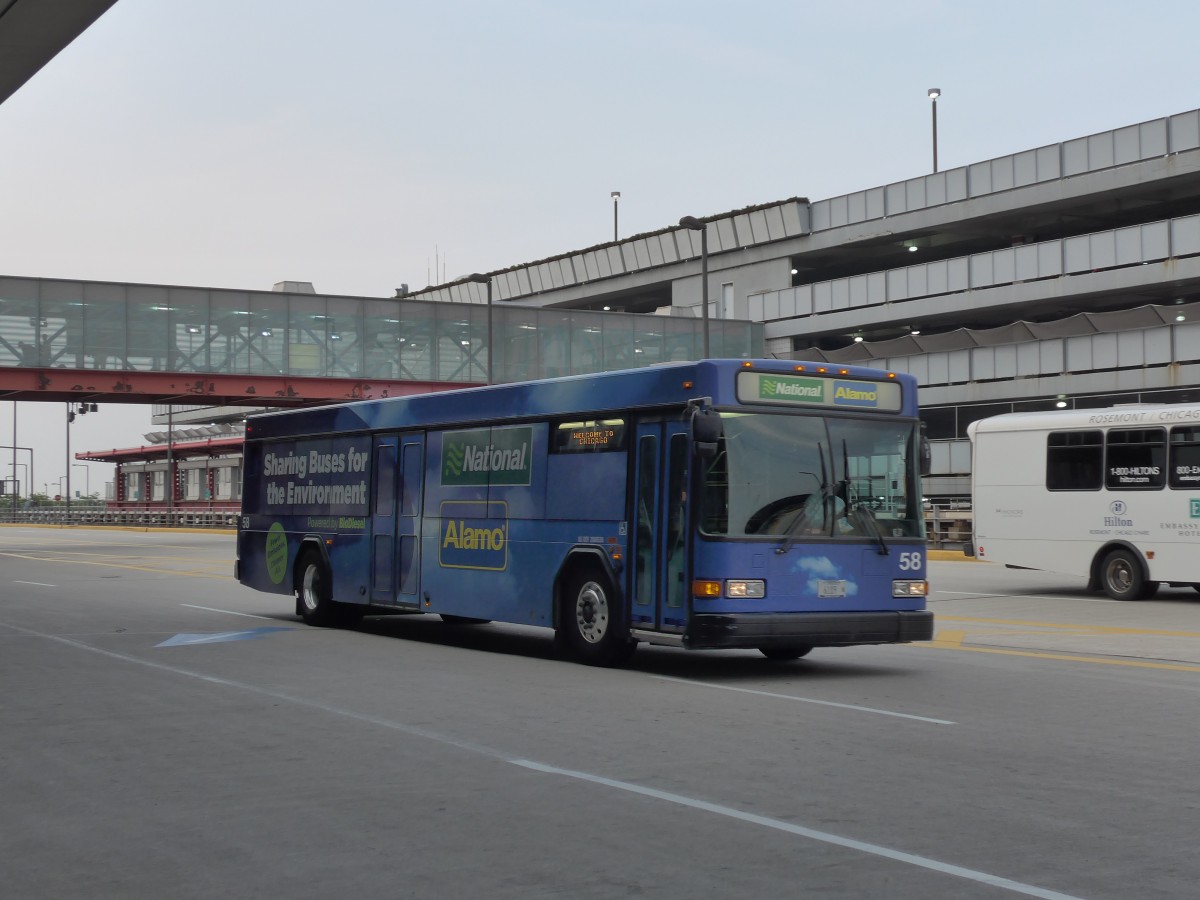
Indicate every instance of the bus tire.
{"type": "Point", "coordinates": [314, 592]}
{"type": "Point", "coordinates": [1123, 576]}
{"type": "Point", "coordinates": [591, 624]}
{"type": "Point", "coordinates": [785, 653]}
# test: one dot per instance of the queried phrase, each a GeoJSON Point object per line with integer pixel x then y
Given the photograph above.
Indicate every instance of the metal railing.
{"type": "Point", "coordinates": [131, 518]}
{"type": "Point", "coordinates": [948, 525]}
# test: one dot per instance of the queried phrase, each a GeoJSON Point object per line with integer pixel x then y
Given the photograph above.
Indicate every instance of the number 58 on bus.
{"type": "Point", "coordinates": [766, 504]}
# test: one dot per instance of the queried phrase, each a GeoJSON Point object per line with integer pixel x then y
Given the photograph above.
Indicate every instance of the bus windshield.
{"type": "Point", "coordinates": [797, 477]}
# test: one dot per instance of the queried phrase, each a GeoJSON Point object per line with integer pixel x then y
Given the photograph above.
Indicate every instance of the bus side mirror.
{"type": "Point", "coordinates": [926, 453]}
{"type": "Point", "coordinates": [706, 432]}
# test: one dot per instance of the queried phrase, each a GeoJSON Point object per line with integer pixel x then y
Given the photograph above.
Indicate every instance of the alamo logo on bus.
{"type": "Point", "coordinates": [856, 393]}
{"type": "Point", "coordinates": [487, 456]}
{"type": "Point", "coordinates": [469, 539]}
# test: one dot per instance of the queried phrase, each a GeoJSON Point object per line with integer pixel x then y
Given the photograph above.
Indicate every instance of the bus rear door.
{"type": "Point", "coordinates": [660, 517]}
{"type": "Point", "coordinates": [396, 519]}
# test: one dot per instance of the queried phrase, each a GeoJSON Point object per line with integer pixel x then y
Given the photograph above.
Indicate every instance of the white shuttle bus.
{"type": "Point", "coordinates": [1111, 495]}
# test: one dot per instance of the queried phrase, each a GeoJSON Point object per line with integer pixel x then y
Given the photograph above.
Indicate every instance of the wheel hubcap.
{"type": "Point", "coordinates": [308, 591]}
{"type": "Point", "coordinates": [591, 612]}
{"type": "Point", "coordinates": [1120, 576]}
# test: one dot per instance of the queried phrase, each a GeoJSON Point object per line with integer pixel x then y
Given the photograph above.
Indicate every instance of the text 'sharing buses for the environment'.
{"type": "Point", "coordinates": [718, 504]}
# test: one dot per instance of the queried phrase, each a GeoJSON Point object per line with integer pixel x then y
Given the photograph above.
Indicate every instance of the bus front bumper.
{"type": "Point", "coordinates": [714, 631]}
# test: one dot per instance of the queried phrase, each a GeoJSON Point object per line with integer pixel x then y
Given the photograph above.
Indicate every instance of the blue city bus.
{"type": "Point", "coordinates": [757, 504]}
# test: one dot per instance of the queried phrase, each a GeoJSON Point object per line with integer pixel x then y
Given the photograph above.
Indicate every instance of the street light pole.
{"type": "Point", "coordinates": [14, 459]}
{"type": "Point", "coordinates": [70, 419]}
{"type": "Point", "coordinates": [934, 93]}
{"type": "Point", "coordinates": [479, 278]}
{"type": "Point", "coordinates": [693, 224]}
{"type": "Point", "coordinates": [87, 477]}
{"type": "Point", "coordinates": [616, 196]}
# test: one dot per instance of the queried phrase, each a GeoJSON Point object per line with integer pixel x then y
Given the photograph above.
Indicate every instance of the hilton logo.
{"type": "Point", "coordinates": [1118, 508]}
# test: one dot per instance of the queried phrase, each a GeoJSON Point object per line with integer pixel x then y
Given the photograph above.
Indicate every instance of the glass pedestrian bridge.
{"type": "Point", "coordinates": [54, 323]}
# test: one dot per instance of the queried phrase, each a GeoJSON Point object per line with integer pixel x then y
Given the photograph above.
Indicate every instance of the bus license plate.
{"type": "Point", "coordinates": [831, 588]}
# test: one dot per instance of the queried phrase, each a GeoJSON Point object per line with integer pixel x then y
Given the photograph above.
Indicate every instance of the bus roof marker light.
{"type": "Point", "coordinates": [688, 385]}
{"type": "Point", "coordinates": [799, 368]}
{"type": "Point", "coordinates": [843, 371]}
{"type": "Point", "coordinates": [822, 369]}
{"type": "Point", "coordinates": [747, 364]}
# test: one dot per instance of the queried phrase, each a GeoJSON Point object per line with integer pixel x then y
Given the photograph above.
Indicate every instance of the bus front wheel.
{"type": "Point", "coordinates": [1123, 577]}
{"type": "Point", "coordinates": [591, 624]}
{"type": "Point", "coordinates": [314, 589]}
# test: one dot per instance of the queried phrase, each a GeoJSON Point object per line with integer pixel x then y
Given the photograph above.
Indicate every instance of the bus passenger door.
{"type": "Point", "coordinates": [660, 517]}
{"type": "Point", "coordinates": [408, 519]}
{"type": "Point", "coordinates": [396, 519]}
{"type": "Point", "coordinates": [385, 476]}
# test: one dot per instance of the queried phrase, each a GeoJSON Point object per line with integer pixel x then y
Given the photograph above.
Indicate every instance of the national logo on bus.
{"type": "Point", "coordinates": [784, 387]}
{"type": "Point", "coordinates": [487, 456]}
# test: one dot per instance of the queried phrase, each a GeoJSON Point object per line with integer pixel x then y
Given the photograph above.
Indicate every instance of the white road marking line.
{"type": "Point", "coordinates": [824, 837]}
{"type": "Point", "coordinates": [227, 611]}
{"type": "Point", "coordinates": [868, 709]}
{"type": "Point", "coordinates": [38, 583]}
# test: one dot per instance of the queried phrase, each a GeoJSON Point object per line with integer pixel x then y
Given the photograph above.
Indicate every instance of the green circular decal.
{"type": "Point", "coordinates": [277, 553]}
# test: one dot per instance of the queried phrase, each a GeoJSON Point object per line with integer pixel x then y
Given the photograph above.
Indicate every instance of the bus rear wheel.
{"type": "Point", "coordinates": [1123, 577]}
{"type": "Point", "coordinates": [785, 653]}
{"type": "Point", "coordinates": [314, 591]}
{"type": "Point", "coordinates": [591, 625]}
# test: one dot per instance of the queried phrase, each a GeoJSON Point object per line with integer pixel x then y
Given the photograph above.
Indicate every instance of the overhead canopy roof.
{"type": "Point", "coordinates": [32, 32]}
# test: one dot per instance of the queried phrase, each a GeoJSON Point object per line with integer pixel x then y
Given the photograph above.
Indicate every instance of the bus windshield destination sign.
{"type": "Point", "coordinates": [797, 390]}
{"type": "Point", "coordinates": [590, 437]}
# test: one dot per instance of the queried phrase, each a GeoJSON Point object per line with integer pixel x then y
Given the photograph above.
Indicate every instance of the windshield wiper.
{"type": "Point", "coordinates": [827, 492]}
{"type": "Point", "coordinates": [864, 513]}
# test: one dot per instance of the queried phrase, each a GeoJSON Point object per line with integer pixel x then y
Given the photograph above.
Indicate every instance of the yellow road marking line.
{"type": "Point", "coordinates": [1086, 629]}
{"type": "Point", "coordinates": [949, 639]}
{"type": "Point", "coordinates": [111, 565]}
{"type": "Point", "coordinates": [1064, 657]}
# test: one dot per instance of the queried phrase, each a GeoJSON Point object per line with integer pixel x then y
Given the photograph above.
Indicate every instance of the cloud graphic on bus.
{"type": "Point", "coordinates": [822, 568]}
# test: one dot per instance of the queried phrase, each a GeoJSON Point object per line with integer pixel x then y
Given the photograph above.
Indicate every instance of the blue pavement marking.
{"type": "Point", "coordinates": [182, 640]}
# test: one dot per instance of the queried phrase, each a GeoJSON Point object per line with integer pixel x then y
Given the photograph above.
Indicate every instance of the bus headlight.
{"type": "Point", "coordinates": [746, 589]}
{"type": "Point", "coordinates": [910, 588]}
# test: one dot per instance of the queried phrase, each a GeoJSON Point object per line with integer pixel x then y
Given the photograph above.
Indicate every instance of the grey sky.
{"type": "Point", "coordinates": [375, 142]}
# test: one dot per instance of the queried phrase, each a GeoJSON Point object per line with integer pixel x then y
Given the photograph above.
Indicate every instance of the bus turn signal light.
{"type": "Point", "coordinates": [706, 589]}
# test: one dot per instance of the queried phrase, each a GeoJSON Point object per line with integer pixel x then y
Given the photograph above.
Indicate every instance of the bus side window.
{"type": "Point", "coordinates": [1184, 467]}
{"type": "Point", "coordinates": [1136, 459]}
{"type": "Point", "coordinates": [1074, 460]}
